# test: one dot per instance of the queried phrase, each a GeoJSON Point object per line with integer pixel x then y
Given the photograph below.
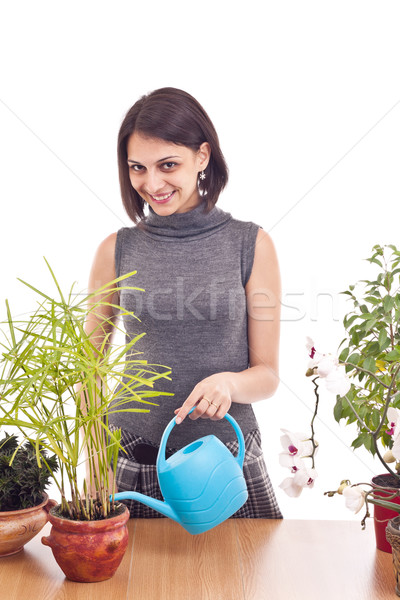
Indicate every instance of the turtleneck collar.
{"type": "Point", "coordinates": [191, 224]}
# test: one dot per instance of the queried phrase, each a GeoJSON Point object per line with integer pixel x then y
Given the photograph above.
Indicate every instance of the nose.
{"type": "Point", "coordinates": [154, 182]}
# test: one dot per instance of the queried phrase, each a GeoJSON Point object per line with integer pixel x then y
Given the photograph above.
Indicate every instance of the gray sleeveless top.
{"type": "Point", "coordinates": [193, 267]}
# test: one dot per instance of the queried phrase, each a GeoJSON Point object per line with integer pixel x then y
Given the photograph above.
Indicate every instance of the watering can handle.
{"type": "Point", "coordinates": [163, 444]}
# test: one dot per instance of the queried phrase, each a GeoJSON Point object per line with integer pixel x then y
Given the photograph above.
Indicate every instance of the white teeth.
{"type": "Point", "coordinates": [162, 197]}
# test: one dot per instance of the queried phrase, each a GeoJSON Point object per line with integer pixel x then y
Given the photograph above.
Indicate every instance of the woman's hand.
{"type": "Point", "coordinates": [212, 398]}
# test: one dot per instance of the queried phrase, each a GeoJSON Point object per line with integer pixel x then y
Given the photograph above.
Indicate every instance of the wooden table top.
{"type": "Point", "coordinates": [242, 559]}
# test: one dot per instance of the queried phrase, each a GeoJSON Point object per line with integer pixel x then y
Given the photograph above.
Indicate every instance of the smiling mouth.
{"type": "Point", "coordinates": [162, 199]}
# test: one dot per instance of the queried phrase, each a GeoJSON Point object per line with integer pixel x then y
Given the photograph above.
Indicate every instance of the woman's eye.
{"type": "Point", "coordinates": [169, 165]}
{"type": "Point", "coordinates": [136, 168]}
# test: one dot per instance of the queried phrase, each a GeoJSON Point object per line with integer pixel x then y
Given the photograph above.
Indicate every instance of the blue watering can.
{"type": "Point", "coordinates": [202, 483]}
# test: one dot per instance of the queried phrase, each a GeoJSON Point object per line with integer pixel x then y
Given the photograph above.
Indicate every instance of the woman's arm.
{"type": "Point", "coordinates": [261, 379]}
{"type": "Point", "coordinates": [263, 293]}
{"type": "Point", "coordinates": [102, 272]}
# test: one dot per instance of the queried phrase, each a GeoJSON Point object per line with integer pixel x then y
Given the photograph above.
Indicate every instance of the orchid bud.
{"type": "Point", "coordinates": [388, 457]}
{"type": "Point", "coordinates": [311, 372]}
{"type": "Point", "coordinates": [343, 484]}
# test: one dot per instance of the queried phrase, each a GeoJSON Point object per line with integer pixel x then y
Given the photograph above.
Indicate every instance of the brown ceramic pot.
{"type": "Point", "coordinates": [17, 527]}
{"type": "Point", "coordinates": [88, 551]}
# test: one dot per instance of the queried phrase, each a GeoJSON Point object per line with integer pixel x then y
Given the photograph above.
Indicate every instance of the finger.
{"type": "Point", "coordinates": [211, 409]}
{"type": "Point", "coordinates": [221, 411]}
{"type": "Point", "coordinates": [200, 404]}
{"type": "Point", "coordinates": [183, 411]}
{"type": "Point", "coordinates": [200, 410]}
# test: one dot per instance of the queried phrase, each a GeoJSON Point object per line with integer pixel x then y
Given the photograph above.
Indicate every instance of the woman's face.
{"type": "Point", "coordinates": [165, 174]}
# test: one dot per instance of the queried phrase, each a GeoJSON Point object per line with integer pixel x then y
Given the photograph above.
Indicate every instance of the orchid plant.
{"type": "Point", "coordinates": [365, 378]}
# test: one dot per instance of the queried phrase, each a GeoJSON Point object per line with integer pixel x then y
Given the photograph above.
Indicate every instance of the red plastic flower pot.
{"type": "Point", "coordinates": [383, 515]}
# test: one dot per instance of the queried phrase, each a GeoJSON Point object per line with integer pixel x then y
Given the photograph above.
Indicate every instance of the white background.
{"type": "Point", "coordinates": [305, 97]}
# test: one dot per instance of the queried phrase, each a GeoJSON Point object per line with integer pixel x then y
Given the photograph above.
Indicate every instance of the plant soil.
{"type": "Point", "coordinates": [389, 481]}
{"type": "Point", "coordinates": [119, 509]}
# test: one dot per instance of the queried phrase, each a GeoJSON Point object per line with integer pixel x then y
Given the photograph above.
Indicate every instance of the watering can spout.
{"type": "Point", "coordinates": [162, 507]}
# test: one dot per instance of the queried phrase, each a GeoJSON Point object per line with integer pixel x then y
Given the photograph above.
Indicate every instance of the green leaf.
{"type": "Point", "coordinates": [370, 324]}
{"type": "Point", "coordinates": [358, 442]}
{"type": "Point", "coordinates": [367, 441]}
{"type": "Point", "coordinates": [388, 303]}
{"type": "Point", "coordinates": [354, 358]}
{"type": "Point", "coordinates": [364, 439]}
{"type": "Point", "coordinates": [370, 364]}
{"type": "Point", "coordinates": [375, 417]}
{"type": "Point", "coordinates": [347, 321]}
{"type": "Point", "coordinates": [374, 260]}
{"type": "Point", "coordinates": [382, 338]}
{"type": "Point", "coordinates": [393, 355]}
{"type": "Point", "coordinates": [372, 300]}
{"type": "Point", "coordinates": [372, 349]}
{"type": "Point", "coordinates": [338, 408]}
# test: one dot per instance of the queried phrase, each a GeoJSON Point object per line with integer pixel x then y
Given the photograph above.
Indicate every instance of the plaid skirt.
{"type": "Point", "coordinates": [136, 471]}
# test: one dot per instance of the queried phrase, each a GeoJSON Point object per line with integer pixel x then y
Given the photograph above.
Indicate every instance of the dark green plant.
{"type": "Point", "coordinates": [22, 481]}
{"type": "Point", "coordinates": [371, 351]}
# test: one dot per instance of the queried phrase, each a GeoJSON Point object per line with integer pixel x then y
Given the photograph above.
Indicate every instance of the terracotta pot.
{"type": "Point", "coordinates": [17, 527]}
{"type": "Point", "coordinates": [383, 515]}
{"type": "Point", "coordinates": [393, 538]}
{"type": "Point", "coordinates": [88, 551]}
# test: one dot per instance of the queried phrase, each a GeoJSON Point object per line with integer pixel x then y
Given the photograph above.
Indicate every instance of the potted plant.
{"type": "Point", "coordinates": [58, 389]}
{"type": "Point", "coordinates": [365, 378]}
{"type": "Point", "coordinates": [23, 502]}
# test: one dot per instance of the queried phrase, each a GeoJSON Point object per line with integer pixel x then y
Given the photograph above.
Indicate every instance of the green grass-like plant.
{"type": "Point", "coordinates": [58, 388]}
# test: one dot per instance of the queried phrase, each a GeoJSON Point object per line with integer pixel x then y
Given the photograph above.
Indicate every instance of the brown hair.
{"type": "Point", "coordinates": [175, 116]}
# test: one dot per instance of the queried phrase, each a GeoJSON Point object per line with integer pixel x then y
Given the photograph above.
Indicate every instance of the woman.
{"type": "Point", "coordinates": [211, 303]}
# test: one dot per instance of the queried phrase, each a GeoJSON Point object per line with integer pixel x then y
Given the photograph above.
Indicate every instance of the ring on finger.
{"type": "Point", "coordinates": [207, 400]}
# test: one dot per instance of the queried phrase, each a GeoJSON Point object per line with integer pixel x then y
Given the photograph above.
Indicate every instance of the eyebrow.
{"type": "Point", "coordinates": [161, 159]}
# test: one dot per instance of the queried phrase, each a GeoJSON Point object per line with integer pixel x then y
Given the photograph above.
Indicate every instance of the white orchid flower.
{"type": "Point", "coordinates": [393, 416]}
{"type": "Point", "coordinates": [296, 443]}
{"type": "Point", "coordinates": [310, 346]}
{"type": "Point", "coordinates": [288, 485]}
{"type": "Point", "coordinates": [337, 381]}
{"type": "Point", "coordinates": [355, 497]}
{"type": "Point", "coordinates": [327, 364]}
{"type": "Point", "coordinates": [304, 477]}
{"type": "Point", "coordinates": [328, 368]}
{"type": "Point", "coordinates": [292, 462]}
{"type": "Point", "coordinates": [312, 353]}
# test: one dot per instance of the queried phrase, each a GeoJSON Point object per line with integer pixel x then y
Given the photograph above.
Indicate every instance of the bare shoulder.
{"type": "Point", "coordinates": [265, 259]}
{"type": "Point", "coordinates": [103, 267]}
{"type": "Point", "coordinates": [106, 248]}
{"type": "Point", "coordinates": [264, 245]}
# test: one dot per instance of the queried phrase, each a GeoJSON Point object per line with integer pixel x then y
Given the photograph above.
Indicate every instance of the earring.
{"type": "Point", "coordinates": [202, 176]}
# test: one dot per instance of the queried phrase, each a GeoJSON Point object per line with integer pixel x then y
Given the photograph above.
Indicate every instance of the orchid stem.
{"type": "Point", "coordinates": [314, 445]}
